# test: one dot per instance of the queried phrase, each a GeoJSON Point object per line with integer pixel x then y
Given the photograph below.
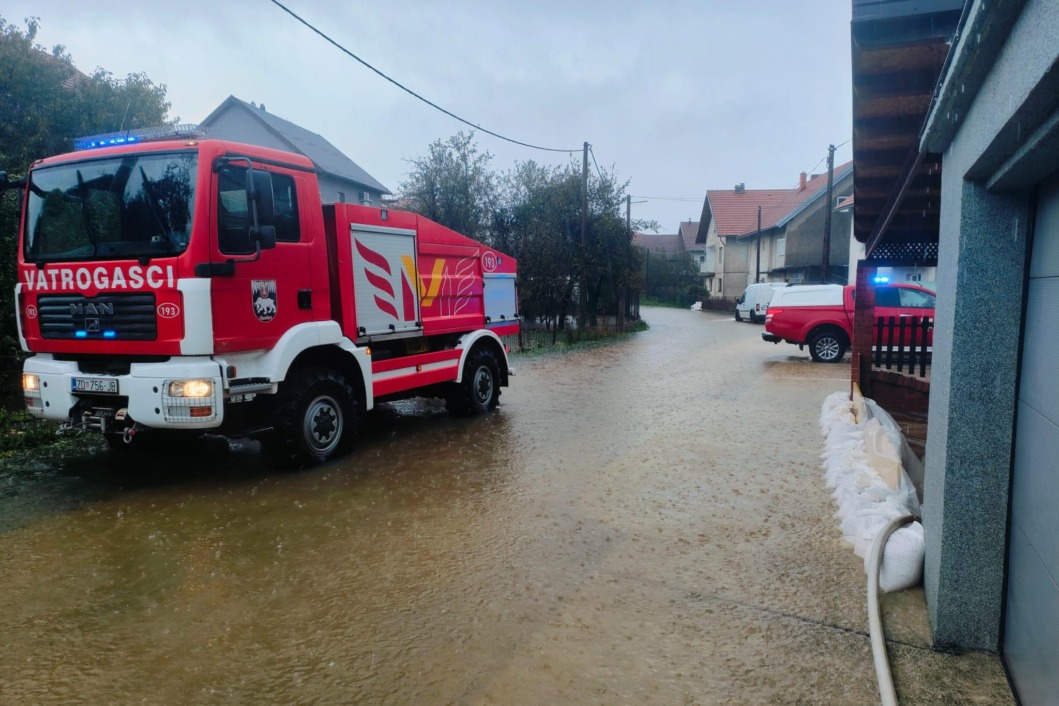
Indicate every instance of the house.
{"type": "Point", "coordinates": [669, 245]}
{"type": "Point", "coordinates": [774, 235]}
{"type": "Point", "coordinates": [689, 234]}
{"type": "Point", "coordinates": [341, 179]}
{"type": "Point", "coordinates": [956, 146]}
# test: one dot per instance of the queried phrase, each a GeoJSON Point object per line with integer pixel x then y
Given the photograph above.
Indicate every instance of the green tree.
{"type": "Point", "coordinates": [533, 212]}
{"type": "Point", "coordinates": [453, 185]}
{"type": "Point", "coordinates": [45, 102]}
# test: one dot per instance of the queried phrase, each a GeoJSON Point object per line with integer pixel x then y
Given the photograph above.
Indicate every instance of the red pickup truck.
{"type": "Point", "coordinates": [821, 315]}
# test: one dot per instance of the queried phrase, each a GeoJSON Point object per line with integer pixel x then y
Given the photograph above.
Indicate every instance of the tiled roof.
{"type": "Point", "coordinates": [324, 155]}
{"type": "Point", "coordinates": [660, 243]}
{"type": "Point", "coordinates": [736, 212]}
{"type": "Point", "coordinates": [689, 231]}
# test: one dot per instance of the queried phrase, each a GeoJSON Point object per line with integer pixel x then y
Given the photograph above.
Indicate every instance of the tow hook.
{"type": "Point", "coordinates": [130, 432]}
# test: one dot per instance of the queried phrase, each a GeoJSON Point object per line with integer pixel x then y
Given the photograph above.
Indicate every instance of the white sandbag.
{"type": "Point", "coordinates": [863, 467]}
{"type": "Point", "coordinates": [902, 563]}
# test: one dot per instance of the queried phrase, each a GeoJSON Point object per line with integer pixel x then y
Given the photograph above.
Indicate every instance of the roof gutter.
{"type": "Point", "coordinates": [966, 68]}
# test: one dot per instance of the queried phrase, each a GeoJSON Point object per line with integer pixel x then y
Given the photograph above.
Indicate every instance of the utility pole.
{"type": "Point", "coordinates": [582, 298]}
{"type": "Point", "coordinates": [622, 289]}
{"type": "Point", "coordinates": [826, 269]}
{"type": "Point", "coordinates": [758, 277]}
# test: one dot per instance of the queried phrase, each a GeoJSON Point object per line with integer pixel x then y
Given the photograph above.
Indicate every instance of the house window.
{"type": "Point", "coordinates": [719, 287]}
{"type": "Point", "coordinates": [341, 196]}
{"type": "Point", "coordinates": [913, 278]}
{"type": "Point", "coordinates": [702, 258]}
{"type": "Point", "coordinates": [781, 249]}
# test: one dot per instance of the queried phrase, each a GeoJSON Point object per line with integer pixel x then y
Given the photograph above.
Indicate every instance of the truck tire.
{"type": "Point", "coordinates": [828, 346]}
{"type": "Point", "coordinates": [738, 316]}
{"type": "Point", "coordinates": [315, 419]}
{"type": "Point", "coordinates": [479, 392]}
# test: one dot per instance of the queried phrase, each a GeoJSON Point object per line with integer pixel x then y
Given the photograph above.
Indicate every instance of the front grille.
{"type": "Point", "coordinates": [118, 317]}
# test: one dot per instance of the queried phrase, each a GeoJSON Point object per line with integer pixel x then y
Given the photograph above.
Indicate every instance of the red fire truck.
{"type": "Point", "coordinates": [169, 282]}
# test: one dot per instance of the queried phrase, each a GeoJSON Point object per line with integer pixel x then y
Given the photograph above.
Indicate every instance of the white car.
{"type": "Point", "coordinates": [755, 301]}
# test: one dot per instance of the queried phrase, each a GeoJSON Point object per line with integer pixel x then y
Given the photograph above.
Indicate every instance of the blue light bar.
{"type": "Point", "coordinates": [146, 134]}
{"type": "Point", "coordinates": [881, 280]}
{"type": "Point", "coordinates": [110, 334]}
{"type": "Point", "coordinates": [80, 334]}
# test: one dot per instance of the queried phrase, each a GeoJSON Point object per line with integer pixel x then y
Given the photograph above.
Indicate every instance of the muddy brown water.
{"type": "Point", "coordinates": [643, 522]}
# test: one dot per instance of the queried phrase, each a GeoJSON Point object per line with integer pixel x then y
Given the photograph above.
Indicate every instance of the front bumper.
{"type": "Point", "coordinates": [142, 394]}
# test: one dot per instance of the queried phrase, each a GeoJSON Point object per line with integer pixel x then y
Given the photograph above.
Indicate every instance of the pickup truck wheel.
{"type": "Point", "coordinates": [827, 347]}
{"type": "Point", "coordinates": [315, 419]}
{"type": "Point", "coordinates": [479, 392]}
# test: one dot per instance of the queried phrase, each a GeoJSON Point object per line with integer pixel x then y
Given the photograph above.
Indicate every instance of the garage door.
{"type": "Point", "coordinates": [1031, 632]}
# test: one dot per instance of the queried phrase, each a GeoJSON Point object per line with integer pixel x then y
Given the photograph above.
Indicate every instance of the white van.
{"type": "Point", "coordinates": [755, 301]}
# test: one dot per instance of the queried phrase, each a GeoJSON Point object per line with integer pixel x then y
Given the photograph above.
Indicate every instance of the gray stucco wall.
{"type": "Point", "coordinates": [805, 233]}
{"type": "Point", "coordinates": [236, 125]}
{"type": "Point", "coordinates": [972, 405]}
{"type": "Point", "coordinates": [735, 267]}
{"type": "Point", "coordinates": [981, 276]}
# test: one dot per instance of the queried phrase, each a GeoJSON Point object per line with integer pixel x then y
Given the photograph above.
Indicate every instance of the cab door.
{"type": "Point", "coordinates": [264, 298]}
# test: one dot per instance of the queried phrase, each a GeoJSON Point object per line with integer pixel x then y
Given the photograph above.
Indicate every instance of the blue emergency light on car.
{"type": "Point", "coordinates": [146, 134]}
{"type": "Point", "coordinates": [881, 280]}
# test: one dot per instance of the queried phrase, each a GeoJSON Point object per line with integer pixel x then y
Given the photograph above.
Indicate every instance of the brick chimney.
{"type": "Point", "coordinates": [801, 182]}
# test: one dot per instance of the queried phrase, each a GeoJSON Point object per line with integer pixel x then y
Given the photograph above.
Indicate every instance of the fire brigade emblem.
{"type": "Point", "coordinates": [263, 292]}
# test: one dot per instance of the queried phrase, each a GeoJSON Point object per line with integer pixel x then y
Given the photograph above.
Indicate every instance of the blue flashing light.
{"type": "Point", "coordinates": [80, 334]}
{"type": "Point", "coordinates": [110, 334]}
{"type": "Point", "coordinates": [165, 132]}
{"type": "Point", "coordinates": [881, 280]}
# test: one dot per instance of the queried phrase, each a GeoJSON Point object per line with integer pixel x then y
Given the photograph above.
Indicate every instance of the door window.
{"type": "Point", "coordinates": [915, 299]}
{"type": "Point", "coordinates": [233, 216]}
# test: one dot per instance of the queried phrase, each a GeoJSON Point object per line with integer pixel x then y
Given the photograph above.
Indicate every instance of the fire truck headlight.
{"type": "Point", "coordinates": [30, 383]}
{"type": "Point", "coordinates": [191, 388]}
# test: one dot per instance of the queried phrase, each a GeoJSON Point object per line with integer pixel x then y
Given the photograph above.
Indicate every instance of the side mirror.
{"type": "Point", "coordinates": [259, 195]}
{"type": "Point", "coordinates": [265, 237]}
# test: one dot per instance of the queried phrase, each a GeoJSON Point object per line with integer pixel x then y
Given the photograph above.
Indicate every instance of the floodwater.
{"type": "Point", "coordinates": [643, 522]}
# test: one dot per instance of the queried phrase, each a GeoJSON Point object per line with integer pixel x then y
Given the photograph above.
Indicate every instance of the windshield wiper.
{"type": "Point", "coordinates": [89, 230]}
{"type": "Point", "coordinates": [152, 206]}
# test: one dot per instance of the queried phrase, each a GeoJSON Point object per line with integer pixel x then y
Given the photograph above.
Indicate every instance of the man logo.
{"type": "Point", "coordinates": [92, 309]}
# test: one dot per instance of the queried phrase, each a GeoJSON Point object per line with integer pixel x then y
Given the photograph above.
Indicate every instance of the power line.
{"type": "Point", "coordinates": [595, 162]}
{"type": "Point", "coordinates": [409, 90]}
{"type": "Point", "coordinates": [670, 198]}
{"type": "Point", "coordinates": [825, 156]}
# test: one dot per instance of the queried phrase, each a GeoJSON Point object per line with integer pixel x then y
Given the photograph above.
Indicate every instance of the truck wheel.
{"type": "Point", "coordinates": [827, 347]}
{"type": "Point", "coordinates": [315, 419]}
{"type": "Point", "coordinates": [480, 390]}
{"type": "Point", "coordinates": [738, 317]}
{"type": "Point", "coordinates": [753, 319]}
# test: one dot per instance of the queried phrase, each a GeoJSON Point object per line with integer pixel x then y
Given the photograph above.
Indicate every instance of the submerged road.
{"type": "Point", "coordinates": [643, 522]}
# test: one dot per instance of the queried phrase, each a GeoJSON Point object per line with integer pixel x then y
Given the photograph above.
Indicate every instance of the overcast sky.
{"type": "Point", "coordinates": [677, 97]}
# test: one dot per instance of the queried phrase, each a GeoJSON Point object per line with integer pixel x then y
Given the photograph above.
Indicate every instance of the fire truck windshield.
{"type": "Point", "coordinates": [133, 206]}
